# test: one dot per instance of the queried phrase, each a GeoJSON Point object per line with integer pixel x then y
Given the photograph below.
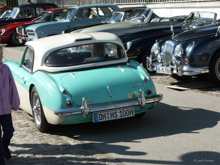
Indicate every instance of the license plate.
{"type": "Point", "coordinates": [164, 70]}
{"type": "Point", "coordinates": [113, 114]}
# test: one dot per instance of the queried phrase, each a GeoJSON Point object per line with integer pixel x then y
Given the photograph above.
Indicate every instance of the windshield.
{"type": "Point", "coordinates": [44, 17]}
{"type": "Point", "coordinates": [14, 12]}
{"type": "Point", "coordinates": [6, 14]}
{"type": "Point", "coordinates": [200, 16]}
{"type": "Point", "coordinates": [84, 54]}
{"type": "Point", "coordinates": [68, 14]}
{"type": "Point", "coordinates": [116, 17]}
{"type": "Point", "coordinates": [136, 13]}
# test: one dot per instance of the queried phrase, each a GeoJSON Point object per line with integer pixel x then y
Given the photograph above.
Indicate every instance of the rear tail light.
{"type": "Point", "coordinates": [148, 92]}
{"type": "Point", "coordinates": [69, 103]}
{"type": "Point", "coordinates": [145, 79]}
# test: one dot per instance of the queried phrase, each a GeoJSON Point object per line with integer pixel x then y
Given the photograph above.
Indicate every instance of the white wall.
{"type": "Point", "coordinates": [174, 9]}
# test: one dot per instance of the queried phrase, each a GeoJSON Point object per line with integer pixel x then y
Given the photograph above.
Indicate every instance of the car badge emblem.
{"type": "Point", "coordinates": [136, 85]}
{"type": "Point", "coordinates": [110, 92]}
{"type": "Point", "coordinates": [90, 101]}
{"type": "Point", "coordinates": [131, 95]}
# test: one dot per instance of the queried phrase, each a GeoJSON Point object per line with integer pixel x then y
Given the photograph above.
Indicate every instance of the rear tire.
{"type": "Point", "coordinates": [214, 69]}
{"type": "Point", "coordinates": [38, 114]}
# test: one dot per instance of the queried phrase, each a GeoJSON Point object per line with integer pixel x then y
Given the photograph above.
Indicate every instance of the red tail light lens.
{"type": "Point", "coordinates": [148, 92]}
{"type": "Point", "coordinates": [69, 103]}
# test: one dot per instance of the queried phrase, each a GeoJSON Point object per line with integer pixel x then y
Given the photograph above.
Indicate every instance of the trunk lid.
{"type": "Point", "coordinates": [104, 85]}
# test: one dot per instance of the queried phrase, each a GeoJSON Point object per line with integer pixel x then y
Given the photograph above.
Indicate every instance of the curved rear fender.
{"type": "Point", "coordinates": [144, 74]}
{"type": "Point", "coordinates": [48, 90]}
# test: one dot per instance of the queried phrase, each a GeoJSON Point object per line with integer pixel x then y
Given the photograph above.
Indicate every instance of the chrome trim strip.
{"type": "Point", "coordinates": [84, 110]}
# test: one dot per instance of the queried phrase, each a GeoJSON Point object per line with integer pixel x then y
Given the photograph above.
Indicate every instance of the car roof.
{"type": "Point", "coordinates": [93, 5]}
{"type": "Point", "coordinates": [56, 42]}
{"type": "Point", "coordinates": [36, 4]}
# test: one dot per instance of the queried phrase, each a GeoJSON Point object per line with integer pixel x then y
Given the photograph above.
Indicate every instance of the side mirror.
{"type": "Point", "coordinates": [217, 32]}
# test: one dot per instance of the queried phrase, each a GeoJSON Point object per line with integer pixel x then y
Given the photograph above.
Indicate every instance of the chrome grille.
{"type": "Point", "coordinates": [167, 52]}
{"type": "Point", "coordinates": [30, 32]}
{"type": "Point", "coordinates": [19, 30]}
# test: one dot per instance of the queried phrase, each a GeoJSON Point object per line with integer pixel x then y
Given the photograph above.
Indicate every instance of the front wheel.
{"type": "Point", "coordinates": [14, 40]}
{"type": "Point", "coordinates": [38, 114]}
{"type": "Point", "coordinates": [214, 69]}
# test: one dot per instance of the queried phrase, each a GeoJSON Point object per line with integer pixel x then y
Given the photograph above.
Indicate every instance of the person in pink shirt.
{"type": "Point", "coordinates": [9, 100]}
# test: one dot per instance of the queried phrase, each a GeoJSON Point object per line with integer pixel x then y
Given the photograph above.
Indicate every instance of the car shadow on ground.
{"type": "Point", "coordinates": [191, 158]}
{"type": "Point", "coordinates": [164, 120]}
{"type": "Point", "coordinates": [199, 83]}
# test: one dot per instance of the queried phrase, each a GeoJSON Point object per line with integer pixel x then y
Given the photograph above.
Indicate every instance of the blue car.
{"type": "Point", "coordinates": [75, 17]}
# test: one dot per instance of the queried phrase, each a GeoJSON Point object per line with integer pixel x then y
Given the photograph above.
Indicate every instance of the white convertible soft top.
{"type": "Point", "coordinates": [43, 47]}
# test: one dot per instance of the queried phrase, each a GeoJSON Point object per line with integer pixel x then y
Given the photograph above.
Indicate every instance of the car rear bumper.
{"type": "Point", "coordinates": [85, 110]}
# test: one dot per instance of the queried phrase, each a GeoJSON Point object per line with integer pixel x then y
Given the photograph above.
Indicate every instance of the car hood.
{"type": "Point", "coordinates": [49, 24]}
{"type": "Point", "coordinates": [124, 28]}
{"type": "Point", "coordinates": [97, 85]}
{"type": "Point", "coordinates": [19, 23]}
{"type": "Point", "coordinates": [197, 33]}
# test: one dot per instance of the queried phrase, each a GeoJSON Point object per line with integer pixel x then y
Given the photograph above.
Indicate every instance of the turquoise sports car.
{"type": "Point", "coordinates": [81, 77]}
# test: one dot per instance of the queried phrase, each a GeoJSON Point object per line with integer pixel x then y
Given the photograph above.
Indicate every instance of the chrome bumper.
{"type": "Point", "coordinates": [179, 69]}
{"type": "Point", "coordinates": [85, 110]}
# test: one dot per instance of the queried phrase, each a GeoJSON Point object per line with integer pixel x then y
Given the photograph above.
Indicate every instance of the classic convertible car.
{"type": "Point", "coordinates": [189, 53]}
{"type": "Point", "coordinates": [9, 35]}
{"type": "Point", "coordinates": [85, 77]}
{"type": "Point", "coordinates": [138, 38]}
{"type": "Point", "coordinates": [26, 12]}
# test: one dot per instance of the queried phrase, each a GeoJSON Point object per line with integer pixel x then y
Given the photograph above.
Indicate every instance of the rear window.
{"type": "Point", "coordinates": [84, 54]}
{"type": "Point", "coordinates": [105, 11]}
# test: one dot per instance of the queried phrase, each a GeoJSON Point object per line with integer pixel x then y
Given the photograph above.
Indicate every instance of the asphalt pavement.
{"type": "Point", "coordinates": [183, 128]}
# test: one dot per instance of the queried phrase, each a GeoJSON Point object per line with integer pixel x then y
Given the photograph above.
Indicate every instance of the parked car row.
{"type": "Point", "coordinates": [92, 72]}
{"type": "Point", "coordinates": [190, 53]}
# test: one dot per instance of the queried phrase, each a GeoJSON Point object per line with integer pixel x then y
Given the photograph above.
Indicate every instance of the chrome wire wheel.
{"type": "Point", "coordinates": [36, 109]}
{"type": "Point", "coordinates": [38, 114]}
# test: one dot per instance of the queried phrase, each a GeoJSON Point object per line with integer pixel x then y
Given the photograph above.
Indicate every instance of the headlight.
{"type": "Point", "coordinates": [3, 31]}
{"type": "Point", "coordinates": [156, 48]}
{"type": "Point", "coordinates": [178, 52]}
{"type": "Point", "coordinates": [128, 45]}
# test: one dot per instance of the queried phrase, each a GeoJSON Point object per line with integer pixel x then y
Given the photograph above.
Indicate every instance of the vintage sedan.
{"type": "Point", "coordinates": [85, 77]}
{"type": "Point", "coordinates": [26, 12]}
{"type": "Point", "coordinates": [190, 53]}
{"type": "Point", "coordinates": [138, 38]}
{"type": "Point", "coordinates": [9, 35]}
